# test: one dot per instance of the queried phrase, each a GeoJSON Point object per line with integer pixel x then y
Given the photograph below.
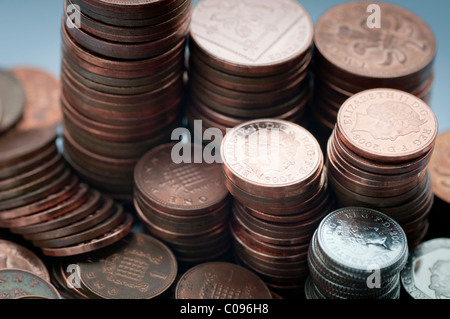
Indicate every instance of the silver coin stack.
{"type": "Point", "coordinates": [356, 253]}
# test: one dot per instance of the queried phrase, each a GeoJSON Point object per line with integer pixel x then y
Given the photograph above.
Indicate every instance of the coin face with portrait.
{"type": "Point", "coordinates": [427, 272]}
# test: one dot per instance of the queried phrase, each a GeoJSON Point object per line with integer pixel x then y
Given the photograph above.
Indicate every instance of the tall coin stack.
{"type": "Point", "coordinates": [183, 203]}
{"type": "Point", "coordinates": [122, 84]}
{"type": "Point", "coordinates": [356, 50]}
{"type": "Point", "coordinates": [249, 60]}
{"type": "Point", "coordinates": [356, 253]}
{"type": "Point", "coordinates": [378, 156]}
{"type": "Point", "coordinates": [274, 170]}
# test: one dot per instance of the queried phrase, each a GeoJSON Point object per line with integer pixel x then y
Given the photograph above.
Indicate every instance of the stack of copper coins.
{"type": "Point", "coordinates": [356, 253]}
{"type": "Point", "coordinates": [378, 156]}
{"type": "Point", "coordinates": [358, 48]}
{"type": "Point", "coordinates": [184, 203]}
{"type": "Point", "coordinates": [249, 60]}
{"type": "Point", "coordinates": [42, 200]}
{"type": "Point", "coordinates": [122, 84]}
{"type": "Point", "coordinates": [274, 170]}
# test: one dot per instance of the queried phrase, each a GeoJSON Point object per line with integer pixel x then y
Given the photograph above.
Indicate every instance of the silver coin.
{"type": "Point", "coordinates": [427, 272]}
{"type": "Point", "coordinates": [360, 239]}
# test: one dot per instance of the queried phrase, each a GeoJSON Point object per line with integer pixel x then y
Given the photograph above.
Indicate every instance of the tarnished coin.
{"type": "Point", "coordinates": [270, 156]}
{"type": "Point", "coordinates": [439, 167]}
{"type": "Point", "coordinates": [16, 283]}
{"type": "Point", "coordinates": [13, 99]}
{"type": "Point", "coordinates": [13, 255]}
{"type": "Point", "coordinates": [426, 273]}
{"type": "Point", "coordinates": [403, 44]}
{"type": "Point", "coordinates": [251, 37]}
{"type": "Point", "coordinates": [387, 125]}
{"type": "Point", "coordinates": [137, 267]}
{"type": "Point", "coordinates": [221, 280]}
{"type": "Point", "coordinates": [42, 92]}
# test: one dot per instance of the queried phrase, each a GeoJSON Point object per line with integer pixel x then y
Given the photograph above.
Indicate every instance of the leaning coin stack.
{"type": "Point", "coordinates": [356, 253]}
{"type": "Point", "coordinates": [378, 156]}
{"type": "Point", "coordinates": [354, 54]}
{"type": "Point", "coordinates": [122, 84]}
{"type": "Point", "coordinates": [42, 200]}
{"type": "Point", "coordinates": [185, 204]}
{"type": "Point", "coordinates": [136, 267]}
{"type": "Point", "coordinates": [249, 60]}
{"type": "Point", "coordinates": [274, 170]}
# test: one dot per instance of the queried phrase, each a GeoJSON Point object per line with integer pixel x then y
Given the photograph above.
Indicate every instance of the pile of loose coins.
{"type": "Point", "coordinates": [42, 200]}
{"type": "Point", "coordinates": [274, 170]}
{"type": "Point", "coordinates": [122, 74]}
{"type": "Point", "coordinates": [378, 156]}
{"type": "Point", "coordinates": [186, 204]}
{"type": "Point", "coordinates": [352, 55]}
{"type": "Point", "coordinates": [356, 253]}
{"type": "Point", "coordinates": [249, 60]}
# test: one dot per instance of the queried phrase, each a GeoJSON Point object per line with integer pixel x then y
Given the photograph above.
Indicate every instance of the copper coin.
{"type": "Point", "coordinates": [221, 280]}
{"type": "Point", "coordinates": [275, 38]}
{"type": "Point", "coordinates": [13, 99]}
{"type": "Point", "coordinates": [39, 194]}
{"type": "Point", "coordinates": [117, 68]}
{"type": "Point", "coordinates": [102, 241]}
{"type": "Point", "coordinates": [24, 145]}
{"type": "Point", "coordinates": [343, 38]}
{"type": "Point", "coordinates": [42, 91]}
{"type": "Point", "coordinates": [17, 283]}
{"type": "Point", "coordinates": [184, 188]}
{"type": "Point", "coordinates": [57, 169]}
{"type": "Point", "coordinates": [387, 125]}
{"type": "Point", "coordinates": [77, 226]}
{"type": "Point", "coordinates": [134, 51]}
{"type": "Point", "coordinates": [439, 167]}
{"type": "Point", "coordinates": [13, 255]}
{"type": "Point", "coordinates": [104, 226]}
{"type": "Point", "coordinates": [25, 165]}
{"type": "Point", "coordinates": [136, 9]}
{"type": "Point", "coordinates": [137, 267]}
{"type": "Point", "coordinates": [35, 220]}
{"type": "Point", "coordinates": [270, 155]}
{"type": "Point", "coordinates": [69, 212]}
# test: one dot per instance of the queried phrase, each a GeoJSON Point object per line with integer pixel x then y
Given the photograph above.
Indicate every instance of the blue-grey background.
{"type": "Point", "coordinates": [30, 36]}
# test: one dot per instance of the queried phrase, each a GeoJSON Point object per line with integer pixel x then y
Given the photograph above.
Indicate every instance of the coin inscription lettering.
{"type": "Point", "coordinates": [385, 124]}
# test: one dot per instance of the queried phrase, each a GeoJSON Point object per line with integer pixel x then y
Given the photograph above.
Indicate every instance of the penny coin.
{"type": "Point", "coordinates": [387, 125]}
{"type": "Point", "coordinates": [17, 283]}
{"type": "Point", "coordinates": [13, 255]}
{"type": "Point", "coordinates": [180, 188]}
{"type": "Point", "coordinates": [439, 167]}
{"type": "Point", "coordinates": [270, 155]}
{"type": "Point", "coordinates": [13, 99]}
{"type": "Point", "coordinates": [248, 38]}
{"type": "Point", "coordinates": [343, 37]}
{"type": "Point", "coordinates": [102, 241]}
{"type": "Point", "coordinates": [137, 267]}
{"type": "Point", "coordinates": [25, 144]}
{"type": "Point", "coordinates": [42, 91]}
{"type": "Point", "coordinates": [221, 280]}
{"type": "Point", "coordinates": [427, 269]}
